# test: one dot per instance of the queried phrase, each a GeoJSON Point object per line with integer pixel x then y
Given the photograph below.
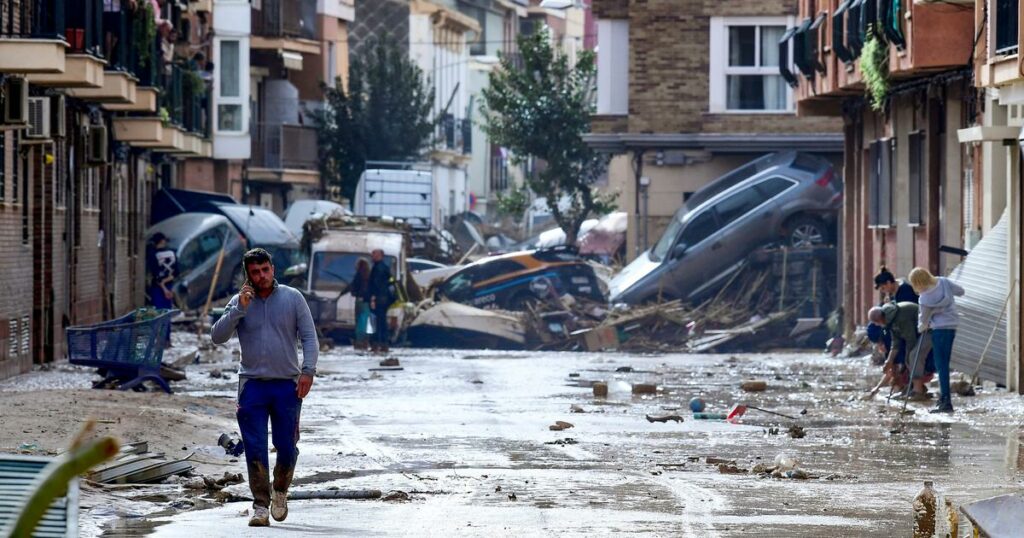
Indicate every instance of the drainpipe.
{"type": "Point", "coordinates": [638, 170]}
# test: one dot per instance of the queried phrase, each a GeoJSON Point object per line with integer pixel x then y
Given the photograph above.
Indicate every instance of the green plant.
{"type": "Point", "coordinates": [383, 115]}
{"type": "Point", "coordinates": [144, 27]}
{"type": "Point", "coordinates": [165, 115]}
{"type": "Point", "coordinates": [514, 203]}
{"type": "Point", "coordinates": [540, 106]}
{"type": "Point", "coordinates": [874, 65]}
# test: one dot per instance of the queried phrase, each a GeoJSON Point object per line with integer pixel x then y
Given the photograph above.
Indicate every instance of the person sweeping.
{"type": "Point", "coordinates": [938, 314]}
{"type": "Point", "coordinates": [269, 318]}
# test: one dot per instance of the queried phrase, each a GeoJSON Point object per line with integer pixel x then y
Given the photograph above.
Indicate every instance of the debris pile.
{"type": "Point", "coordinates": [769, 297]}
{"type": "Point", "coordinates": [135, 464]}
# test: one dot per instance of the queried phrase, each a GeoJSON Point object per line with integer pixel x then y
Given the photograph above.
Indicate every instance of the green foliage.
{"type": "Point", "coordinates": [540, 107]}
{"type": "Point", "coordinates": [144, 28]}
{"type": "Point", "coordinates": [384, 115]}
{"type": "Point", "coordinates": [514, 203]}
{"type": "Point", "coordinates": [165, 115]}
{"type": "Point", "coordinates": [874, 65]}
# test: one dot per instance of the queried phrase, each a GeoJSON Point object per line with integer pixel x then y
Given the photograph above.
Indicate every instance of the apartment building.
{"type": "Point", "coordinates": [687, 91]}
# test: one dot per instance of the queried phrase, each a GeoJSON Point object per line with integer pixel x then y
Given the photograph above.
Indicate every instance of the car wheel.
{"type": "Point", "coordinates": [803, 232]}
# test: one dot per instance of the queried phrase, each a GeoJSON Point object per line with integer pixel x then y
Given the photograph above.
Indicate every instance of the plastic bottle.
{"type": "Point", "coordinates": [924, 512]}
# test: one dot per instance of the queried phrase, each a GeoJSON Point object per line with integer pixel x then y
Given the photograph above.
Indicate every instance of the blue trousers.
{"type": "Point", "coordinates": [942, 346]}
{"type": "Point", "coordinates": [276, 400]}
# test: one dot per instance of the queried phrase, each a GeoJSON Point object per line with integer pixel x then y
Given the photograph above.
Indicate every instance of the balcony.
{"type": "Point", "coordinates": [921, 38]}
{"type": "Point", "coordinates": [284, 147]}
{"type": "Point", "coordinates": [32, 36]}
{"type": "Point", "coordinates": [454, 135]}
{"type": "Point", "coordinates": [286, 25]}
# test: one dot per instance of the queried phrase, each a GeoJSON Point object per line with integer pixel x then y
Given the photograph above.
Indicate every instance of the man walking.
{"type": "Point", "coordinates": [381, 296]}
{"type": "Point", "coordinates": [269, 318]}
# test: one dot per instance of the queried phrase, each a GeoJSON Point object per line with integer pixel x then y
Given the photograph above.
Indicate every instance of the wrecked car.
{"type": "Point", "coordinates": [511, 281]}
{"type": "Point", "coordinates": [197, 239]}
{"type": "Point", "coordinates": [786, 197]}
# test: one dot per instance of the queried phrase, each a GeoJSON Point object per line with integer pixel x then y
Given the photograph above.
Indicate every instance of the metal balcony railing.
{"type": "Point", "coordinates": [40, 19]}
{"type": "Point", "coordinates": [84, 27]}
{"type": "Point", "coordinates": [280, 146]}
{"type": "Point", "coordinates": [286, 18]}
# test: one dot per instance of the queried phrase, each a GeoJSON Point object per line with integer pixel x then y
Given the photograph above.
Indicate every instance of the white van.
{"type": "Point", "coordinates": [332, 266]}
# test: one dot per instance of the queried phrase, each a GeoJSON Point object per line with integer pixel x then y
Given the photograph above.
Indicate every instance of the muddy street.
{"type": "Point", "coordinates": [466, 435]}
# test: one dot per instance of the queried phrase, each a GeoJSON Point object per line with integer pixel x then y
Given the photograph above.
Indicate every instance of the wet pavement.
{"type": "Point", "coordinates": [466, 434]}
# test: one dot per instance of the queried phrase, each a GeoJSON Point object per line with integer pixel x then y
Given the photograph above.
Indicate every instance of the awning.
{"type": "Point", "coordinates": [716, 143]}
{"type": "Point", "coordinates": [983, 275]}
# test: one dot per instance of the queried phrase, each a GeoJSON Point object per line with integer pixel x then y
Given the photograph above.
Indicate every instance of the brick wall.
{"type": "Point", "coordinates": [670, 62]}
{"type": "Point", "coordinates": [15, 270]}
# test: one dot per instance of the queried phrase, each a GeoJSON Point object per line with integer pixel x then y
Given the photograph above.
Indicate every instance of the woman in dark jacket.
{"type": "Point", "coordinates": [360, 290]}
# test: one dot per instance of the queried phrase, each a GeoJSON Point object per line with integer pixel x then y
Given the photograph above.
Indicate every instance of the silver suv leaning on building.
{"type": "Point", "coordinates": [786, 197]}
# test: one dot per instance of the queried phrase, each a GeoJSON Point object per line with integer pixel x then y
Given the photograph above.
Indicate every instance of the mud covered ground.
{"type": "Point", "coordinates": [466, 434]}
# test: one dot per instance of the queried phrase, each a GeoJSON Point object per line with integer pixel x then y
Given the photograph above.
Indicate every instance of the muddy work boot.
{"type": "Point", "coordinates": [260, 517]}
{"type": "Point", "coordinates": [279, 505]}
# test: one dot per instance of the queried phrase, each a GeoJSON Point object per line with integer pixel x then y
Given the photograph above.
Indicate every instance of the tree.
{"type": "Point", "coordinates": [384, 115]}
{"type": "Point", "coordinates": [540, 106]}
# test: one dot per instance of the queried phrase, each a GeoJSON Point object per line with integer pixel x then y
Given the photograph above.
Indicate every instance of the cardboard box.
{"type": "Point", "coordinates": [601, 338]}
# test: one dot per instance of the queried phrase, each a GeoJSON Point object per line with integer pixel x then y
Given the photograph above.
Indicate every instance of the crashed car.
{"type": "Point", "coordinates": [789, 197]}
{"type": "Point", "coordinates": [511, 281]}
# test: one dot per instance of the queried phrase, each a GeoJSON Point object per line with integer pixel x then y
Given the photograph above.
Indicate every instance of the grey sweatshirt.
{"type": "Point", "coordinates": [267, 332]}
{"type": "Point", "coordinates": [938, 306]}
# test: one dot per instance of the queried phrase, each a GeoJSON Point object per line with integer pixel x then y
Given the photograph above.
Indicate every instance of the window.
{"type": "Point", "coordinates": [668, 237]}
{"type": "Point", "coordinates": [745, 60]}
{"type": "Point", "coordinates": [1006, 26]}
{"type": "Point", "coordinates": [917, 186]}
{"type": "Point", "coordinates": [880, 183]}
{"type": "Point", "coordinates": [15, 169]}
{"type": "Point", "coordinates": [613, 67]}
{"type": "Point", "coordinates": [738, 204]}
{"type": "Point", "coordinates": [231, 84]}
{"type": "Point", "coordinates": [479, 47]}
{"type": "Point", "coordinates": [892, 21]}
{"type": "Point", "coordinates": [334, 271]}
{"type": "Point", "coordinates": [499, 268]}
{"type": "Point", "coordinates": [774, 186]}
{"type": "Point", "coordinates": [699, 229]}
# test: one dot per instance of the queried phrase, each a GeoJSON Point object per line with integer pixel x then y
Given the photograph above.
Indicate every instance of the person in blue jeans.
{"type": "Point", "coordinates": [938, 314]}
{"type": "Point", "coordinates": [269, 318]}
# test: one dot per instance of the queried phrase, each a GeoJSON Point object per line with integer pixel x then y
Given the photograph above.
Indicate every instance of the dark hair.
{"type": "Point", "coordinates": [362, 266]}
{"type": "Point", "coordinates": [256, 256]}
{"type": "Point", "coordinates": [883, 277]}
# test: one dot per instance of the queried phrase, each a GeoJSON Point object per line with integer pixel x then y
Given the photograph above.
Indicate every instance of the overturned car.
{"type": "Point", "coordinates": [511, 281]}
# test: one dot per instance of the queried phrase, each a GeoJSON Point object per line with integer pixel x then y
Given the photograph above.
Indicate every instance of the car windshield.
{"type": "Point", "coordinates": [660, 249]}
{"type": "Point", "coordinates": [334, 271]}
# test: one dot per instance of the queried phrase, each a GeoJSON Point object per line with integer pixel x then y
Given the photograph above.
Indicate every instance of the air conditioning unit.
{"type": "Point", "coordinates": [58, 116]}
{"type": "Point", "coordinates": [38, 118]}
{"type": "Point", "coordinates": [97, 146]}
{"type": "Point", "coordinates": [15, 101]}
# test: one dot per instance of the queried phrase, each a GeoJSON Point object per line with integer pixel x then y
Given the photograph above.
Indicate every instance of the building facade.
{"type": "Point", "coordinates": [994, 141]}
{"type": "Point", "coordinates": [687, 91]}
{"type": "Point", "coordinates": [99, 105]}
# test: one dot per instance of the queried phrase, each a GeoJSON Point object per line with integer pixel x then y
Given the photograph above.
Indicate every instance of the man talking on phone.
{"type": "Point", "coordinates": [269, 318]}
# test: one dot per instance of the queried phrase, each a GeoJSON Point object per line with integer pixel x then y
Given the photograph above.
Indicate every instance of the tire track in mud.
{"type": "Point", "coordinates": [697, 513]}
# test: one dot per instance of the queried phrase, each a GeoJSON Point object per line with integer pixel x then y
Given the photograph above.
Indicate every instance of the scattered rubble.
{"type": "Point", "coordinates": [645, 388]}
{"type": "Point", "coordinates": [600, 389]}
{"type": "Point", "coordinates": [560, 425]}
{"type": "Point", "coordinates": [754, 385]}
{"type": "Point", "coordinates": [563, 442]}
{"type": "Point", "coordinates": [396, 496]}
{"type": "Point", "coordinates": [664, 418]}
